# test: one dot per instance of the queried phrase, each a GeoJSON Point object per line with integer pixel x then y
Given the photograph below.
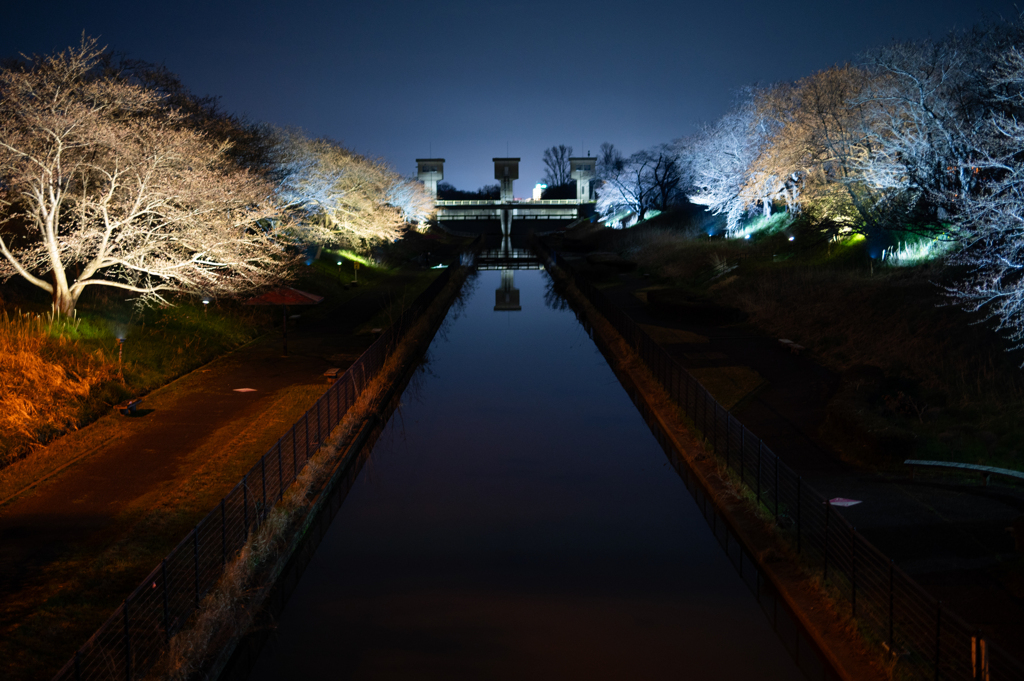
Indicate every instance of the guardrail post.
{"type": "Point", "coordinates": [127, 644]}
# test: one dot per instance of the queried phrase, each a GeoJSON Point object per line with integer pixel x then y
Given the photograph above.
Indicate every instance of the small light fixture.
{"type": "Point", "coordinates": [791, 238]}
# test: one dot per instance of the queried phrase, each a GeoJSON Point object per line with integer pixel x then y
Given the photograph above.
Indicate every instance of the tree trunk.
{"type": "Point", "coordinates": [63, 301]}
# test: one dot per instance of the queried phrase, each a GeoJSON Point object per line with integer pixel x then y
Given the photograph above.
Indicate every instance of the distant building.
{"type": "Point", "coordinates": [506, 170]}
{"type": "Point", "coordinates": [583, 169]}
{"type": "Point", "coordinates": [538, 191]}
{"type": "Point", "coordinates": [430, 171]}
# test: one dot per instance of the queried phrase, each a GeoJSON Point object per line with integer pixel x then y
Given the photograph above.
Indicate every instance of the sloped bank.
{"type": "Point", "coordinates": [819, 639]}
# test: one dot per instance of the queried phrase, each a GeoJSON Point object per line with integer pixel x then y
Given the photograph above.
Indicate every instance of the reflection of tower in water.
{"type": "Point", "coordinates": [506, 297]}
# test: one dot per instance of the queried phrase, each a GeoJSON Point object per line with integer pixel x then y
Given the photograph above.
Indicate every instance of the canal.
{"type": "Point", "coordinates": [517, 519]}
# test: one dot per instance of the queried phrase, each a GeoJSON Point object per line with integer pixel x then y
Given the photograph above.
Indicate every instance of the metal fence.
{"type": "Point", "coordinates": [135, 636]}
{"type": "Point", "coordinates": [890, 608]}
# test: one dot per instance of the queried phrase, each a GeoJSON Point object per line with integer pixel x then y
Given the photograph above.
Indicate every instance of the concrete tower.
{"type": "Point", "coordinates": [505, 171]}
{"type": "Point", "coordinates": [430, 172]}
{"type": "Point", "coordinates": [583, 169]}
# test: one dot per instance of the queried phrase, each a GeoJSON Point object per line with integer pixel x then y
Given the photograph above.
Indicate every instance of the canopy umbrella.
{"type": "Point", "coordinates": [285, 296]}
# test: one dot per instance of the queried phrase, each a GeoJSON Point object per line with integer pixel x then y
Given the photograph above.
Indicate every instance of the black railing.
{"type": "Point", "coordinates": [138, 632]}
{"type": "Point", "coordinates": [890, 608]}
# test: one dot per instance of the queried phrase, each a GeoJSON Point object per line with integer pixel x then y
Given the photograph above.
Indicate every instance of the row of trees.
{"type": "Point", "coordinates": [922, 137]}
{"type": "Point", "coordinates": [113, 174]}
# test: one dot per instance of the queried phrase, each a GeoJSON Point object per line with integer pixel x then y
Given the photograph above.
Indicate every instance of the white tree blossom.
{"type": "Point", "coordinates": [719, 158]}
{"type": "Point", "coordinates": [345, 198]}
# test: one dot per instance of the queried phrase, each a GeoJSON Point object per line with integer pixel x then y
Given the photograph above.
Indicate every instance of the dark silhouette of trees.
{"type": "Point", "coordinates": [556, 164]}
{"type": "Point", "coordinates": [447, 192]}
{"type": "Point", "coordinates": [102, 184]}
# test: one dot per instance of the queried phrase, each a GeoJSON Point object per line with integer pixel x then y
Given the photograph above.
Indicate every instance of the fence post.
{"type": "Point", "coordinates": [127, 645]}
{"type": "Point", "coordinates": [799, 527]}
{"type": "Point", "coordinates": [743, 454]}
{"type": "Point", "coordinates": [759, 444]}
{"type": "Point", "coordinates": [280, 476]}
{"type": "Point", "coordinates": [776, 488]}
{"type": "Point", "coordinates": [263, 478]}
{"type": "Point", "coordinates": [728, 428]}
{"type": "Point", "coordinates": [223, 535]}
{"type": "Point", "coordinates": [853, 573]}
{"type": "Point", "coordinates": [195, 559]}
{"type": "Point", "coordinates": [938, 637]}
{"type": "Point", "coordinates": [167, 611]}
{"type": "Point", "coordinates": [245, 502]}
{"type": "Point", "coordinates": [828, 507]}
{"type": "Point", "coordinates": [891, 643]}
{"type": "Point", "coordinates": [714, 428]}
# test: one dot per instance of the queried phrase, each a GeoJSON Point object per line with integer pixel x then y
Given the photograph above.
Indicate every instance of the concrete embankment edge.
{"type": "Point", "coordinates": [236, 657]}
{"type": "Point", "coordinates": [767, 565]}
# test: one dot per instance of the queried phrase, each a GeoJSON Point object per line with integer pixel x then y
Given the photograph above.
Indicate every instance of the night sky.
{"type": "Point", "coordinates": [468, 81]}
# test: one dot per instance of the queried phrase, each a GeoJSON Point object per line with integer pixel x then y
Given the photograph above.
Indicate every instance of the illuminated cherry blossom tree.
{"type": "Point", "coordinates": [345, 198]}
{"type": "Point", "coordinates": [101, 185]}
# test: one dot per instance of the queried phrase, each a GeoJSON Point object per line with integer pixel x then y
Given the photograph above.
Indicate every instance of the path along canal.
{"type": "Point", "coordinates": [517, 519]}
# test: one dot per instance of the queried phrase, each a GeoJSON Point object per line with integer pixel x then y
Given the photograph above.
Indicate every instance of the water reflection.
{"type": "Point", "coordinates": [520, 521]}
{"type": "Point", "coordinates": [506, 298]}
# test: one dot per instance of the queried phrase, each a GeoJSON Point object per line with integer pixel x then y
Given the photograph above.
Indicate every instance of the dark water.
{"type": "Point", "coordinates": [518, 520]}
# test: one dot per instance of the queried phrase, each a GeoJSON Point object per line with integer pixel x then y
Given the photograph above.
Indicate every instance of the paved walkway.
{"type": "Point", "coordinates": [197, 428]}
{"type": "Point", "coordinates": [950, 536]}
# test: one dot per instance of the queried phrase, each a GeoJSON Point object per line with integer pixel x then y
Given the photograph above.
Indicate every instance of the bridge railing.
{"type": "Point", "coordinates": [442, 203]}
{"type": "Point", "coordinates": [927, 640]}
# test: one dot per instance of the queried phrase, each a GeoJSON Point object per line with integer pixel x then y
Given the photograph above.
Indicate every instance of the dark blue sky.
{"type": "Point", "coordinates": [468, 81]}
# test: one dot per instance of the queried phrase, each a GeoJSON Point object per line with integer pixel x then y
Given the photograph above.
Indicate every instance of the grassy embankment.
{"type": "Point", "coordinates": [919, 376]}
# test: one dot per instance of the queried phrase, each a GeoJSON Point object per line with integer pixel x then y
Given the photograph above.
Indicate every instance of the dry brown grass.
{"type": "Point", "coordinates": [44, 378]}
